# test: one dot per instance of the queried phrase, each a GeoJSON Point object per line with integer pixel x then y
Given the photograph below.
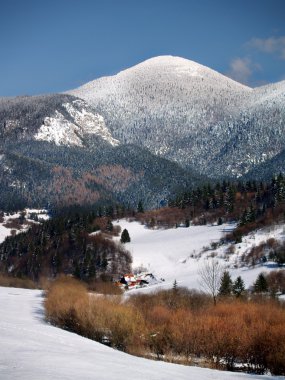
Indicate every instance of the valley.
{"type": "Point", "coordinates": [189, 163]}
{"type": "Point", "coordinates": [178, 254]}
{"type": "Point", "coordinates": [142, 190]}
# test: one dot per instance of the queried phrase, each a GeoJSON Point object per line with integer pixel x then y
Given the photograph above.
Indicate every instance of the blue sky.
{"type": "Point", "coordinates": [55, 45]}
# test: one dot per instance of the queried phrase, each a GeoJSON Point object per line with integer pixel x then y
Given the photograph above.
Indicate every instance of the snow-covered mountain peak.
{"type": "Point", "coordinates": [160, 70]}
{"type": "Point", "coordinates": [168, 64]}
{"type": "Point", "coordinates": [163, 101]}
{"type": "Point", "coordinates": [191, 114]}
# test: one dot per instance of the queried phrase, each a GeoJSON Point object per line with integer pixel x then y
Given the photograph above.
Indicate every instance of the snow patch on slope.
{"type": "Point", "coordinates": [62, 131]}
{"type": "Point", "coordinates": [90, 123]}
{"type": "Point", "coordinates": [6, 229]}
{"type": "Point", "coordinates": [59, 130]}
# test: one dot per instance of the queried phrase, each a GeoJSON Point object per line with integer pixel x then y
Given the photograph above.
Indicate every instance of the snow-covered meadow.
{"type": "Point", "coordinates": [177, 254]}
{"type": "Point", "coordinates": [31, 349]}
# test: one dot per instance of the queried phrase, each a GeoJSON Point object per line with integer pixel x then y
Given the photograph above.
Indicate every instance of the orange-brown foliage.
{"type": "Point", "coordinates": [15, 282]}
{"type": "Point", "coordinates": [166, 217]}
{"type": "Point", "coordinates": [114, 177]}
{"type": "Point", "coordinates": [66, 188]}
{"type": "Point", "coordinates": [246, 333]}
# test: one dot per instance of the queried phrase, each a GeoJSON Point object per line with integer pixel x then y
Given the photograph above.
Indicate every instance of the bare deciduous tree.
{"type": "Point", "coordinates": [210, 277]}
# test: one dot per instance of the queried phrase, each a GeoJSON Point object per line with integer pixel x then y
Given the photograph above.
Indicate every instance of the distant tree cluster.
{"type": "Point", "coordinates": [64, 245]}
{"type": "Point", "coordinates": [217, 282]}
{"type": "Point", "coordinates": [228, 287]}
{"type": "Point", "coordinates": [253, 204]}
{"type": "Point", "coordinates": [271, 284]}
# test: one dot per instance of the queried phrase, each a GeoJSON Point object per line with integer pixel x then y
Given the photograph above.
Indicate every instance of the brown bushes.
{"type": "Point", "coordinates": [104, 319]}
{"type": "Point", "coordinates": [181, 324]}
{"type": "Point", "coordinates": [104, 287]}
{"type": "Point", "coordinates": [180, 299]}
{"type": "Point", "coordinates": [66, 297]}
{"type": "Point", "coordinates": [15, 282]}
{"type": "Point", "coordinates": [244, 333]}
{"type": "Point", "coordinates": [276, 281]}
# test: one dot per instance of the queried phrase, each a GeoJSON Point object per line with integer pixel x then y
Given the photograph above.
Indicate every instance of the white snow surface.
{"type": "Point", "coordinates": [61, 131]}
{"type": "Point", "coordinates": [5, 231]}
{"type": "Point", "coordinates": [31, 349]}
{"type": "Point", "coordinates": [177, 254]}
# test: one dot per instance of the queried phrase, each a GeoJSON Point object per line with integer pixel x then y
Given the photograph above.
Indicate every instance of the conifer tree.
{"type": "Point", "coordinates": [109, 226]}
{"type": "Point", "coordinates": [140, 207]}
{"type": "Point", "coordinates": [238, 287]}
{"type": "Point", "coordinates": [260, 285]}
{"type": "Point", "coordinates": [175, 286]}
{"type": "Point", "coordinates": [77, 271]}
{"type": "Point", "coordinates": [125, 237]}
{"type": "Point", "coordinates": [226, 285]}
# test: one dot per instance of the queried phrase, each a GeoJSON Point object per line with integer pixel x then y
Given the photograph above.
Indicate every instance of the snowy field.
{"type": "Point", "coordinates": [30, 349]}
{"type": "Point", "coordinates": [177, 254]}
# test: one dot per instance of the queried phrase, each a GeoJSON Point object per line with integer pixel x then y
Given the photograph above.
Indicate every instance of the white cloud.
{"type": "Point", "coordinates": [241, 69]}
{"type": "Point", "coordinates": [269, 45]}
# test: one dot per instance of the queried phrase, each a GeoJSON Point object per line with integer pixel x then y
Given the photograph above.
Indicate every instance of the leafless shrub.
{"type": "Point", "coordinates": [210, 277]}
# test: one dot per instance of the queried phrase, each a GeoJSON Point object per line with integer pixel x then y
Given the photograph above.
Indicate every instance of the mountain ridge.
{"type": "Point", "coordinates": [57, 150]}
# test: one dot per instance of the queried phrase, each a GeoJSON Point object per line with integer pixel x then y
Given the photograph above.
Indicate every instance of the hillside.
{"type": "Point", "coordinates": [235, 212]}
{"type": "Point", "coordinates": [56, 150]}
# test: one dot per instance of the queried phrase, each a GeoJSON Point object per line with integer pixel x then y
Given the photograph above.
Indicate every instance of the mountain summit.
{"type": "Point", "coordinates": [191, 114]}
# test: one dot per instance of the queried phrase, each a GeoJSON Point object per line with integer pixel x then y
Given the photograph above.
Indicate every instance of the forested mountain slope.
{"type": "Point", "coordinates": [56, 149]}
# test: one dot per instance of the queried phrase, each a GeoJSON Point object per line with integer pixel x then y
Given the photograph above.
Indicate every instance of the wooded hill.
{"type": "Point", "coordinates": [248, 203]}
{"type": "Point", "coordinates": [64, 244]}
